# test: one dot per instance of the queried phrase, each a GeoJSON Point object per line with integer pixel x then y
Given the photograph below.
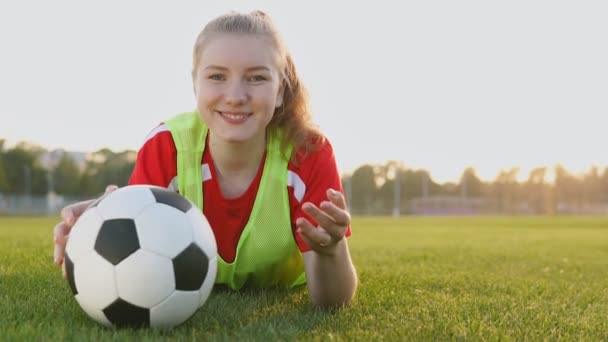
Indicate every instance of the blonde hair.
{"type": "Point", "coordinates": [294, 115]}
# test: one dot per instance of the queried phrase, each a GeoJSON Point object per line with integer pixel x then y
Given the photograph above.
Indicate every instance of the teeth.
{"type": "Point", "coordinates": [234, 116]}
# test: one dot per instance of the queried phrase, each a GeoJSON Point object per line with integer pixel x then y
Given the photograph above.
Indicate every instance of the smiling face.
{"type": "Point", "coordinates": [237, 85]}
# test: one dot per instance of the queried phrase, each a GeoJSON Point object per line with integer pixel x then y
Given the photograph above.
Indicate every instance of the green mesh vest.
{"type": "Point", "coordinates": [266, 254]}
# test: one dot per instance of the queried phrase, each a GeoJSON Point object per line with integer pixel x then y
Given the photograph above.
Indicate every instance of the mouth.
{"type": "Point", "coordinates": [234, 117]}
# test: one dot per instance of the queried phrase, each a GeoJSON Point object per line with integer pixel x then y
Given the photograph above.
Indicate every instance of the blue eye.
{"type": "Point", "coordinates": [216, 77]}
{"type": "Point", "coordinates": [257, 78]}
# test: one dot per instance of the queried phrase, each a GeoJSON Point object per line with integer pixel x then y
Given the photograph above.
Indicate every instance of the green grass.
{"type": "Point", "coordinates": [486, 278]}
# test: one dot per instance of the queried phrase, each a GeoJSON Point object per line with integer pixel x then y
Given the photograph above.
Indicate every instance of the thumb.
{"type": "Point", "coordinates": [110, 188]}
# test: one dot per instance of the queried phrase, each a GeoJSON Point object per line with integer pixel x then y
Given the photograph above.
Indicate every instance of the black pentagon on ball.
{"type": "Point", "coordinates": [116, 240]}
{"type": "Point", "coordinates": [124, 314]}
{"type": "Point", "coordinates": [190, 268]}
{"type": "Point", "coordinates": [69, 271]}
{"type": "Point", "coordinates": [171, 198]}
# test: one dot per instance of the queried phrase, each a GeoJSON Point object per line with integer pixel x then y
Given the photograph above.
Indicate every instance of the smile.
{"type": "Point", "coordinates": [234, 117]}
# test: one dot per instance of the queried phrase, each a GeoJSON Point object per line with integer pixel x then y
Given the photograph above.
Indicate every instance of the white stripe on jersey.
{"type": "Point", "coordinates": [205, 175]}
{"type": "Point", "coordinates": [299, 188]}
{"type": "Point", "coordinates": [155, 131]}
{"type": "Point", "coordinates": [173, 186]}
{"type": "Point", "coordinates": [293, 180]}
{"type": "Point", "coordinates": [205, 172]}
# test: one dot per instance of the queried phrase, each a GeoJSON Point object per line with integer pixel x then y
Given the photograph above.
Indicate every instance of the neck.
{"type": "Point", "coordinates": [235, 157]}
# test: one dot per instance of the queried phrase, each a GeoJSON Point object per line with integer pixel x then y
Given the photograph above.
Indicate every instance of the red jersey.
{"type": "Point", "coordinates": [157, 165]}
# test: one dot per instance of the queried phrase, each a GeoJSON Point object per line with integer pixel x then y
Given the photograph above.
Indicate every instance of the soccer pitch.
{"type": "Point", "coordinates": [421, 278]}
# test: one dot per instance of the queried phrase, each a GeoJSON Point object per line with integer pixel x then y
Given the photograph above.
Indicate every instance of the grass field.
{"type": "Point", "coordinates": [500, 278]}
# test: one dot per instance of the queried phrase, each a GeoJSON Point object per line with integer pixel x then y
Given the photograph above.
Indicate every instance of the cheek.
{"type": "Point", "coordinates": [267, 97]}
{"type": "Point", "coordinates": [207, 96]}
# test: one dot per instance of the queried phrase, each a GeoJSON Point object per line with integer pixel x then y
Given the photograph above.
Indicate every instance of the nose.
{"type": "Point", "coordinates": [236, 93]}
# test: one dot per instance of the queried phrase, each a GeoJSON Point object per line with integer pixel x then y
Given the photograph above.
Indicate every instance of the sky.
{"type": "Point", "coordinates": [438, 85]}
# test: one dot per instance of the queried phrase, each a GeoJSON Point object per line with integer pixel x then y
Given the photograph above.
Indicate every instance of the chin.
{"type": "Point", "coordinates": [235, 139]}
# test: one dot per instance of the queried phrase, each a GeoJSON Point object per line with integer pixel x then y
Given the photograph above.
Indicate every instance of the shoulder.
{"type": "Point", "coordinates": [158, 146]}
{"type": "Point", "coordinates": [157, 132]}
{"type": "Point", "coordinates": [313, 173]}
{"type": "Point", "coordinates": [318, 157]}
{"type": "Point", "coordinates": [155, 159]}
{"type": "Point", "coordinates": [162, 132]}
{"type": "Point", "coordinates": [159, 137]}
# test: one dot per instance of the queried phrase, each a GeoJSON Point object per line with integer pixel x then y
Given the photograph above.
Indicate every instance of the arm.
{"type": "Point", "coordinates": [156, 151]}
{"type": "Point", "coordinates": [331, 276]}
{"type": "Point", "coordinates": [69, 215]}
{"type": "Point", "coordinates": [332, 280]}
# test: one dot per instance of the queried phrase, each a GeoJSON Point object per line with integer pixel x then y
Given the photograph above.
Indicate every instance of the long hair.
{"type": "Point", "coordinates": [294, 115]}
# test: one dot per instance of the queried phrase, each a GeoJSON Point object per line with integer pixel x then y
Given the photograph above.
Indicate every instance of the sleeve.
{"type": "Point", "coordinates": [156, 159]}
{"type": "Point", "coordinates": [309, 182]}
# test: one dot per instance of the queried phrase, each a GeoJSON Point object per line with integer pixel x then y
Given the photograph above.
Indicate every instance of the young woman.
{"type": "Point", "coordinates": [252, 160]}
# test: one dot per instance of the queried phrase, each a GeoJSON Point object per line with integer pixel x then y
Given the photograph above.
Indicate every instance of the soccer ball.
{"type": "Point", "coordinates": [141, 256]}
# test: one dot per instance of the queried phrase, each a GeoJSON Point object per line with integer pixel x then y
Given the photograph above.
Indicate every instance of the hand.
{"type": "Point", "coordinates": [69, 215]}
{"type": "Point", "coordinates": [332, 218]}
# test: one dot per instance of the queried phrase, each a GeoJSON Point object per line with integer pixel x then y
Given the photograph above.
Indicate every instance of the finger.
{"type": "Point", "coordinates": [314, 236]}
{"type": "Point", "coordinates": [336, 198]}
{"type": "Point", "coordinates": [307, 240]}
{"type": "Point", "coordinates": [60, 234]}
{"type": "Point", "coordinates": [338, 229]}
{"type": "Point", "coordinates": [322, 218]}
{"type": "Point", "coordinates": [111, 188]}
{"type": "Point", "coordinates": [339, 215]}
{"type": "Point", "coordinates": [72, 212]}
{"type": "Point", "coordinates": [63, 271]}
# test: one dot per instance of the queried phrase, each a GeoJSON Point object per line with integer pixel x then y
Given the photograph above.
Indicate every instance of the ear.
{"type": "Point", "coordinates": [194, 82]}
{"type": "Point", "coordinates": [280, 95]}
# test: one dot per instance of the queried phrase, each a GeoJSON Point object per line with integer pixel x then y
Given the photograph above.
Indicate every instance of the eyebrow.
{"type": "Point", "coordinates": [254, 68]}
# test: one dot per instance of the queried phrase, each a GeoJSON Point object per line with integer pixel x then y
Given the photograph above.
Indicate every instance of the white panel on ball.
{"type": "Point", "coordinates": [83, 234]}
{"type": "Point", "coordinates": [126, 202]}
{"type": "Point", "coordinates": [145, 278]}
{"type": "Point", "coordinates": [163, 229]}
{"type": "Point", "coordinates": [174, 310]}
{"type": "Point", "coordinates": [203, 235]}
{"type": "Point", "coordinates": [209, 281]}
{"type": "Point", "coordinates": [94, 278]}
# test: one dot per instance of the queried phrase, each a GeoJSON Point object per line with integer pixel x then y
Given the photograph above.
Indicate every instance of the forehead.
{"type": "Point", "coordinates": [237, 51]}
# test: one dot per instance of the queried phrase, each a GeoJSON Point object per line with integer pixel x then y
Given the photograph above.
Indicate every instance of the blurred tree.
{"type": "Point", "coordinates": [567, 190]}
{"type": "Point", "coordinates": [538, 192]}
{"type": "Point", "coordinates": [23, 172]}
{"type": "Point", "coordinates": [470, 185]}
{"type": "Point", "coordinates": [105, 167]}
{"type": "Point", "coordinates": [363, 189]}
{"type": "Point", "coordinates": [3, 180]}
{"type": "Point", "coordinates": [592, 186]}
{"type": "Point", "coordinates": [604, 185]}
{"type": "Point", "coordinates": [506, 190]}
{"type": "Point", "coordinates": [65, 176]}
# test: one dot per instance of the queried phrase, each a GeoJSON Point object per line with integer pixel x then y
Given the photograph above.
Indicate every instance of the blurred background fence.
{"type": "Point", "coordinates": [35, 181]}
{"type": "Point", "coordinates": [438, 205]}
{"type": "Point", "coordinates": [19, 204]}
